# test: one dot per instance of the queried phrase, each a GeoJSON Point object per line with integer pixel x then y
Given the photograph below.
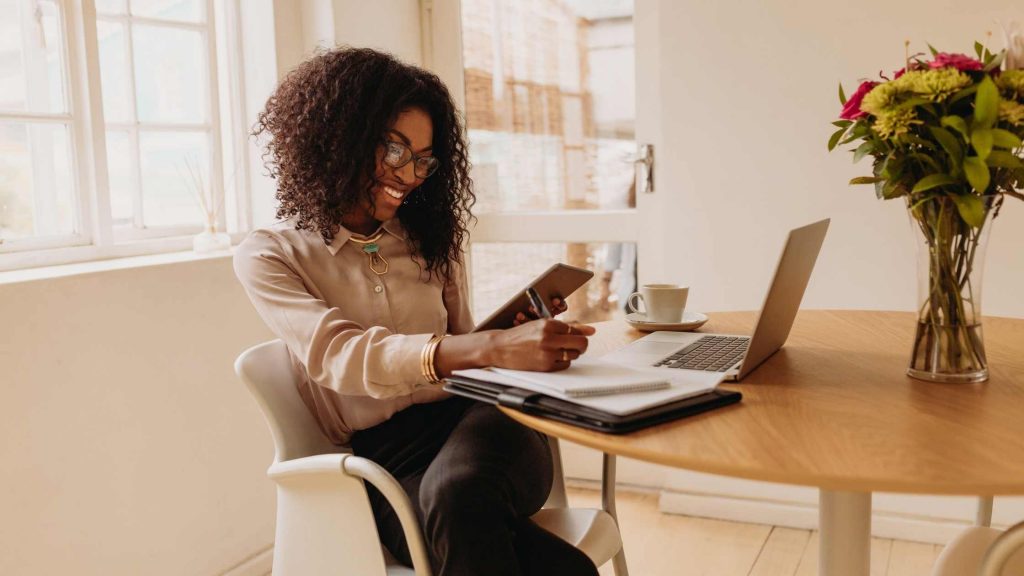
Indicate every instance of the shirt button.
{"type": "Point", "coordinates": [378, 288]}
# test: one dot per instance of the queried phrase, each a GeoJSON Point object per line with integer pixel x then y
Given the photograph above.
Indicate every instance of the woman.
{"type": "Point", "coordinates": [363, 279]}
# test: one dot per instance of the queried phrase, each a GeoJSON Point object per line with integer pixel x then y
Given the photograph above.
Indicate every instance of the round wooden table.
{"type": "Point", "coordinates": [834, 409]}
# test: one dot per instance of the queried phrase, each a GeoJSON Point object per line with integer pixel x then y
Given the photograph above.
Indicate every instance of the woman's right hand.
{"type": "Point", "coordinates": [544, 345]}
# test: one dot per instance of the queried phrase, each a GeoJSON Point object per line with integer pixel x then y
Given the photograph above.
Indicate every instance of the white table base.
{"type": "Point", "coordinates": [844, 519]}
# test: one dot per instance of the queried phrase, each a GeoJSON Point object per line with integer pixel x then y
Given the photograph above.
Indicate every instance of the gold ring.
{"type": "Point", "coordinates": [565, 355]}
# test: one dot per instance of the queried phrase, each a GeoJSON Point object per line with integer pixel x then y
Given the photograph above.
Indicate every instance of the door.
{"type": "Point", "coordinates": [547, 88]}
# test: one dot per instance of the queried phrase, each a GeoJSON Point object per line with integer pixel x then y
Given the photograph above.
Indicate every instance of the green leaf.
{"type": "Point", "coordinates": [835, 138]}
{"type": "Point", "coordinates": [934, 51]}
{"type": "Point", "coordinates": [949, 143]}
{"type": "Point", "coordinates": [993, 62]}
{"type": "Point", "coordinates": [912, 139]}
{"type": "Point", "coordinates": [932, 181]}
{"type": "Point", "coordinates": [842, 95]}
{"type": "Point", "coordinates": [982, 140]}
{"type": "Point", "coordinates": [963, 94]}
{"type": "Point", "coordinates": [860, 128]}
{"type": "Point", "coordinates": [971, 208]}
{"type": "Point", "coordinates": [956, 123]}
{"type": "Point", "coordinates": [930, 109]}
{"type": "Point", "coordinates": [977, 173]}
{"type": "Point", "coordinates": [923, 199]}
{"type": "Point", "coordinates": [978, 48]}
{"type": "Point", "coordinates": [892, 189]}
{"type": "Point", "coordinates": [911, 103]}
{"type": "Point", "coordinates": [1003, 159]}
{"type": "Point", "coordinates": [925, 159]}
{"type": "Point", "coordinates": [1005, 139]}
{"type": "Point", "coordinates": [986, 104]}
{"type": "Point", "coordinates": [862, 151]}
{"type": "Point", "coordinates": [866, 180]}
{"type": "Point", "coordinates": [843, 123]}
{"type": "Point", "coordinates": [881, 165]}
{"type": "Point", "coordinates": [850, 137]}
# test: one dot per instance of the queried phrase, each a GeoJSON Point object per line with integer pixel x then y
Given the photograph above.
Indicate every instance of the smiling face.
{"type": "Point", "coordinates": [413, 129]}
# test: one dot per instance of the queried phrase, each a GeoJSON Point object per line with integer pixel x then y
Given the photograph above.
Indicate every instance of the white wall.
{"type": "Point", "coordinates": [392, 26]}
{"type": "Point", "coordinates": [748, 91]}
{"type": "Point", "coordinates": [738, 95]}
{"type": "Point", "coordinates": [128, 444]}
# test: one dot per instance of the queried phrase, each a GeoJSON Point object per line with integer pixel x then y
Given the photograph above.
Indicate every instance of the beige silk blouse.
{"type": "Point", "coordinates": [354, 337]}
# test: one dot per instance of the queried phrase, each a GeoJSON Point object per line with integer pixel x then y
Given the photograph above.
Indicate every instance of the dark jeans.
{"type": "Point", "coordinates": [474, 477]}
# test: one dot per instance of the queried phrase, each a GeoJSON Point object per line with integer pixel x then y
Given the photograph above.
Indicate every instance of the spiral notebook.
{"type": "Point", "coordinates": [584, 378]}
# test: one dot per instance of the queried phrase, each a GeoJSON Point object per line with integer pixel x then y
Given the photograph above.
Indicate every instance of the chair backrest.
{"type": "Point", "coordinates": [267, 370]}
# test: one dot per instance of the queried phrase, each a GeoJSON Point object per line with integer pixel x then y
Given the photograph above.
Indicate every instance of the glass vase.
{"type": "Point", "coordinates": [210, 240]}
{"type": "Point", "coordinates": [948, 344]}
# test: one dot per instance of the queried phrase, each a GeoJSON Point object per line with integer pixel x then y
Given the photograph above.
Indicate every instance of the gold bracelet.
{"type": "Point", "coordinates": [427, 357]}
{"type": "Point", "coordinates": [432, 368]}
{"type": "Point", "coordinates": [423, 359]}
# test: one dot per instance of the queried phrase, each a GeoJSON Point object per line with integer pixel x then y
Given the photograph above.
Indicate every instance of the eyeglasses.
{"type": "Point", "coordinates": [397, 155]}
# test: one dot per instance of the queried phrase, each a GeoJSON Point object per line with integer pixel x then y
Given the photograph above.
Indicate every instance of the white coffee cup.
{"type": "Point", "coordinates": [661, 302]}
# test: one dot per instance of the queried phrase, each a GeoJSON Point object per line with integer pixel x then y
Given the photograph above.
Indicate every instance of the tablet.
{"type": "Point", "coordinates": [559, 281]}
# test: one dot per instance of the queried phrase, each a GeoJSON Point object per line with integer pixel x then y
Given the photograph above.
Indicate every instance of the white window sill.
{"type": "Point", "coordinates": [168, 251]}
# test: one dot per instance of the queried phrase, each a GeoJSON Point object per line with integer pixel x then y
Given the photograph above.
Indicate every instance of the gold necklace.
{"type": "Point", "coordinates": [378, 264]}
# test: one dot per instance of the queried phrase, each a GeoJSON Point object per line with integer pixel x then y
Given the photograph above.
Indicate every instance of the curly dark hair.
{"type": "Point", "coordinates": [325, 122]}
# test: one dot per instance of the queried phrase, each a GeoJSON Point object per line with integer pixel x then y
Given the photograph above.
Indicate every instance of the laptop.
{"type": "Point", "coordinates": [738, 355]}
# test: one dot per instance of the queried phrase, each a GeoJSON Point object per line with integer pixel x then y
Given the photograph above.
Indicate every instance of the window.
{"type": "Point", "coordinates": [38, 194]}
{"type": "Point", "coordinates": [131, 165]}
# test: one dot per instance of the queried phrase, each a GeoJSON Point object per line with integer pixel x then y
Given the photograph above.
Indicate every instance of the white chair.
{"type": "Point", "coordinates": [982, 550]}
{"type": "Point", "coordinates": [324, 521]}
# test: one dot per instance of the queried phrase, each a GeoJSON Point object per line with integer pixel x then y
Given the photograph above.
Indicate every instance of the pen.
{"type": "Point", "coordinates": [538, 303]}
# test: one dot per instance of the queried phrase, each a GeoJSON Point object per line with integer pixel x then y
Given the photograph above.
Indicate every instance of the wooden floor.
{"type": "Point", "coordinates": [672, 545]}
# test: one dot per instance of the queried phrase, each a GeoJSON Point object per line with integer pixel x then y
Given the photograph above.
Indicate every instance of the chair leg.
{"type": "Point", "coordinates": [558, 497]}
{"type": "Point", "coordinates": [984, 514]}
{"type": "Point", "coordinates": [608, 503]}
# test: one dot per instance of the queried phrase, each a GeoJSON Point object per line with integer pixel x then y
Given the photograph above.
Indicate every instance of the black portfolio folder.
{"type": "Point", "coordinates": [537, 404]}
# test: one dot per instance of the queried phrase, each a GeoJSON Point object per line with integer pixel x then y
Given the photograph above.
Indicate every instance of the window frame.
{"type": "Point", "coordinates": [98, 236]}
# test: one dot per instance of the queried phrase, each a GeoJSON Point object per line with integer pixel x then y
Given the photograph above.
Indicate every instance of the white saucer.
{"type": "Point", "coordinates": [691, 321]}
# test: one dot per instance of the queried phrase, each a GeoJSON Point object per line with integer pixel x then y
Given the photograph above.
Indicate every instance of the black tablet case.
{"type": "Point", "coordinates": [536, 404]}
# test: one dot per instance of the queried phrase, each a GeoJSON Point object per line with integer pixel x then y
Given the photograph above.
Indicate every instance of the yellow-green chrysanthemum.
{"type": "Point", "coordinates": [1012, 112]}
{"type": "Point", "coordinates": [934, 85]}
{"type": "Point", "coordinates": [882, 99]}
{"type": "Point", "coordinates": [895, 122]}
{"type": "Point", "coordinates": [1011, 84]}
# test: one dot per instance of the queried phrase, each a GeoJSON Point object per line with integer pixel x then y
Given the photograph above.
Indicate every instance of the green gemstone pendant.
{"type": "Point", "coordinates": [378, 264]}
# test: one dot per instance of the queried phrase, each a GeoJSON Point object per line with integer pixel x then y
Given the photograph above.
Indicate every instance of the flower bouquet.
{"type": "Point", "coordinates": [945, 135]}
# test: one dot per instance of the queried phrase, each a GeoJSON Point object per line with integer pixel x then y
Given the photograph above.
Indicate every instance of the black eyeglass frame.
{"type": "Point", "coordinates": [411, 158]}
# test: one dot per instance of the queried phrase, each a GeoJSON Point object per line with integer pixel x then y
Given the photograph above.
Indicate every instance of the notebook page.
{"type": "Point", "coordinates": [587, 377]}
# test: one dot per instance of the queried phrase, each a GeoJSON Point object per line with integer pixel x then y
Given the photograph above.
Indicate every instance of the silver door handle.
{"type": "Point", "coordinates": [645, 157]}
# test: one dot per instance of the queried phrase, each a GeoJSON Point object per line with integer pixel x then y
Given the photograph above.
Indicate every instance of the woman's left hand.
{"type": "Point", "coordinates": [558, 306]}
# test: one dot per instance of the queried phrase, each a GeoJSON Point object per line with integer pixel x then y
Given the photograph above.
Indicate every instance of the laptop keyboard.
{"type": "Point", "coordinates": [710, 353]}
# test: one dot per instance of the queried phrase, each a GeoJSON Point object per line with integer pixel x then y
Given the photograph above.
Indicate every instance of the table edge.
{"type": "Point", "coordinates": [583, 437]}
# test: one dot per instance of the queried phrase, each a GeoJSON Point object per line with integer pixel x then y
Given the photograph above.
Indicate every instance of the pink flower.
{"type": "Point", "coordinates": [852, 111]}
{"type": "Point", "coordinates": [958, 61]}
{"type": "Point", "coordinates": [899, 73]}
